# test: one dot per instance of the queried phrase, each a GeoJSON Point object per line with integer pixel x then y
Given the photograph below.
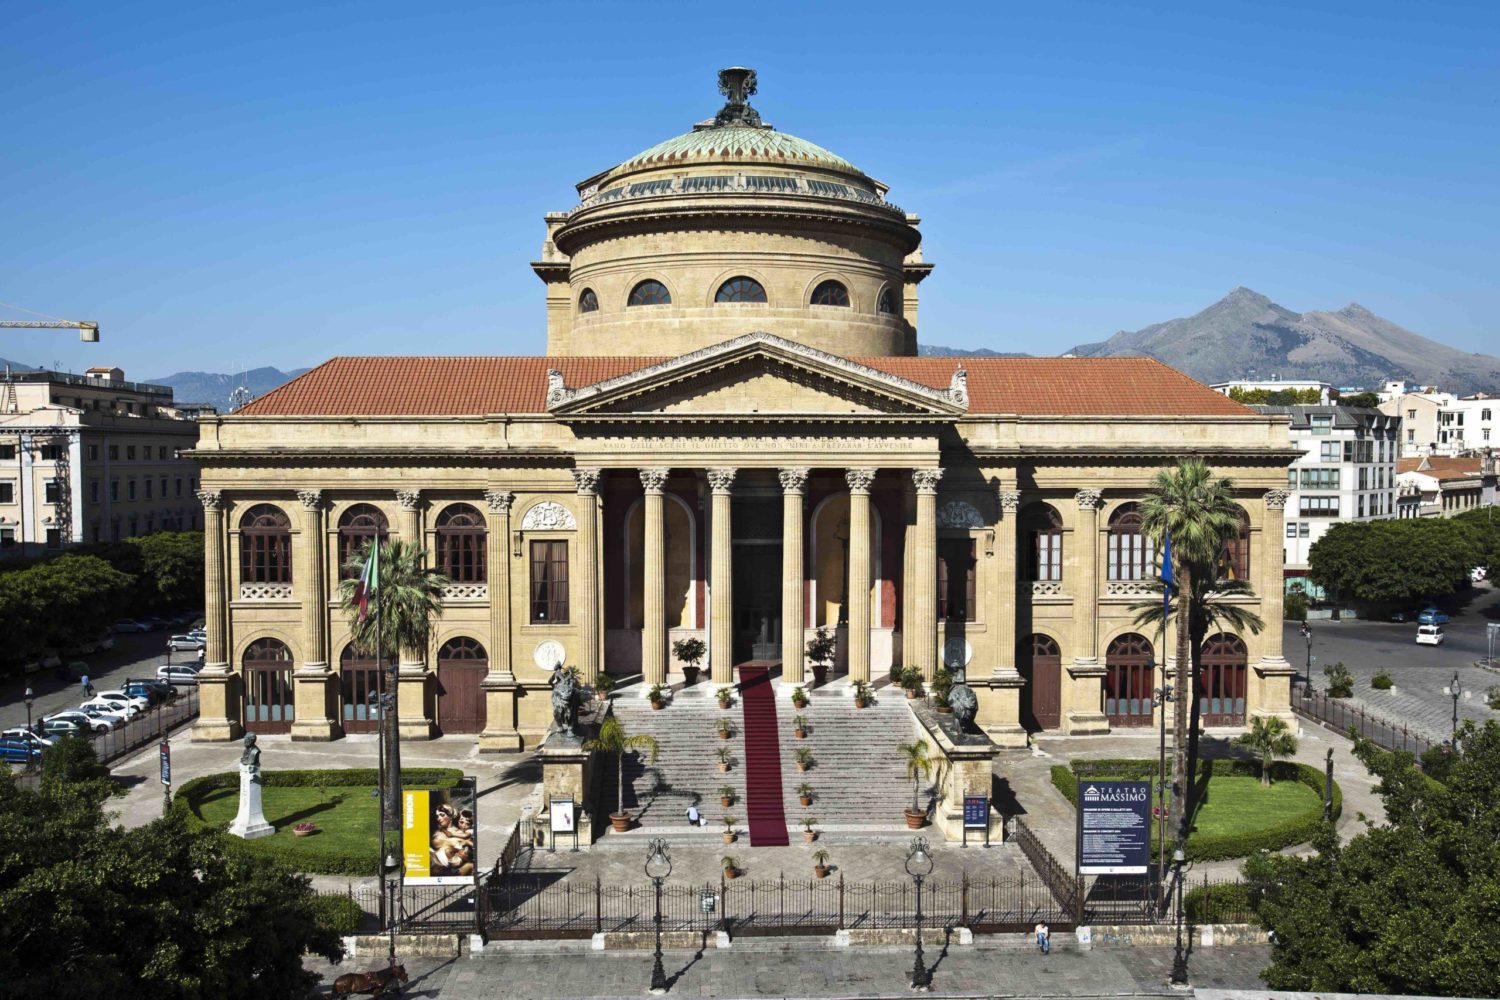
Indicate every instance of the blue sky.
{"type": "Point", "coordinates": [226, 186]}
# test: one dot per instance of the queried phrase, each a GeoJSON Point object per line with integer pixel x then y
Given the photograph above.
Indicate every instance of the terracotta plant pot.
{"type": "Point", "coordinates": [801, 765]}
{"type": "Point", "coordinates": [724, 703]}
{"type": "Point", "coordinates": [915, 820]}
{"type": "Point", "coordinates": [800, 702]}
{"type": "Point", "coordinates": [912, 694]}
{"type": "Point", "coordinates": [726, 801]}
{"type": "Point", "coordinates": [723, 734]}
{"type": "Point", "coordinates": [801, 733]}
{"type": "Point", "coordinates": [658, 705]}
{"type": "Point", "coordinates": [723, 768]}
{"type": "Point", "coordinates": [859, 702]}
{"type": "Point", "coordinates": [731, 873]}
{"type": "Point", "coordinates": [820, 870]}
{"type": "Point", "coordinates": [620, 821]}
{"type": "Point", "coordinates": [806, 800]}
{"type": "Point", "coordinates": [729, 838]}
{"type": "Point", "coordinates": [809, 835]}
{"type": "Point", "coordinates": [945, 710]}
{"type": "Point", "coordinates": [689, 676]}
{"type": "Point", "coordinates": [305, 833]}
{"type": "Point", "coordinates": [820, 675]}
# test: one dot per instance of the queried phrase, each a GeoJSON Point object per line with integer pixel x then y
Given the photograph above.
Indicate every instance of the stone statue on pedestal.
{"type": "Point", "coordinates": [250, 822]}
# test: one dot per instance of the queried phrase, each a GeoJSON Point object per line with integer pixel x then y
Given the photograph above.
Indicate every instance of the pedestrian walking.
{"type": "Point", "coordinates": [88, 689]}
{"type": "Point", "coordinates": [1043, 938]}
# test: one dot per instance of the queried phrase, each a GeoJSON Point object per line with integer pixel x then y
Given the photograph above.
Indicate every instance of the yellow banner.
{"type": "Point", "coordinates": [414, 835]}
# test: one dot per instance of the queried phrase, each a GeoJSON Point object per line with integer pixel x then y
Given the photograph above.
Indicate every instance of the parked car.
{"type": "Point", "coordinates": [129, 625]}
{"type": "Point", "coordinates": [187, 641]}
{"type": "Point", "coordinates": [112, 717]}
{"type": "Point", "coordinates": [92, 723]}
{"type": "Point", "coordinates": [1432, 616]}
{"type": "Point", "coordinates": [118, 701]}
{"type": "Point", "coordinates": [179, 673]}
{"type": "Point", "coordinates": [22, 733]}
{"type": "Point", "coordinates": [1429, 635]}
{"type": "Point", "coordinates": [1403, 616]}
{"type": "Point", "coordinates": [19, 752]}
{"type": "Point", "coordinates": [117, 694]}
{"type": "Point", "coordinates": [150, 695]}
{"type": "Point", "coordinates": [149, 686]}
{"type": "Point", "coordinates": [57, 729]}
{"type": "Point", "coordinates": [158, 623]}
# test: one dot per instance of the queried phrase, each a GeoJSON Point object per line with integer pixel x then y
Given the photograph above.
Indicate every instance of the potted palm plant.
{"type": "Point", "coordinates": [725, 728]}
{"type": "Point", "coordinates": [804, 758]}
{"type": "Point", "coordinates": [613, 739]}
{"type": "Point", "coordinates": [918, 766]}
{"type": "Point", "coordinates": [799, 726]}
{"type": "Point", "coordinates": [820, 650]}
{"type": "Point", "coordinates": [731, 866]}
{"type": "Point", "coordinates": [942, 685]}
{"type": "Point", "coordinates": [804, 794]}
{"type": "Point", "coordinates": [725, 695]}
{"type": "Point", "coordinates": [690, 651]}
{"type": "Point", "coordinates": [603, 685]}
{"type": "Point", "coordinates": [910, 679]}
{"type": "Point", "coordinates": [657, 696]}
{"type": "Point", "coordinates": [861, 694]}
{"type": "Point", "coordinates": [809, 831]}
{"type": "Point", "coordinates": [799, 697]}
{"type": "Point", "coordinates": [723, 753]}
{"type": "Point", "coordinates": [729, 833]}
{"type": "Point", "coordinates": [820, 863]}
{"type": "Point", "coordinates": [726, 795]}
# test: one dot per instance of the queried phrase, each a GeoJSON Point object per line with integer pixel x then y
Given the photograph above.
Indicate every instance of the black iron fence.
{"type": "Point", "coordinates": [148, 728]}
{"type": "Point", "coordinates": [1341, 716]}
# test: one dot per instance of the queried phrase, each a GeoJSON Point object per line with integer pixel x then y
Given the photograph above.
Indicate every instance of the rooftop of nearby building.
{"type": "Point", "coordinates": [1441, 467]}
{"type": "Point", "coordinates": [1344, 417]}
{"type": "Point", "coordinates": [95, 378]}
{"type": "Point", "coordinates": [449, 386]}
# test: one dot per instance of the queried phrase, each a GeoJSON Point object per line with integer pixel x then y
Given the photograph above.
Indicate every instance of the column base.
{"type": "Point", "coordinates": [215, 706]}
{"type": "Point", "coordinates": [1086, 723]}
{"type": "Point", "coordinates": [216, 731]}
{"type": "Point", "coordinates": [1086, 675]}
{"type": "Point", "coordinates": [316, 731]}
{"type": "Point", "coordinates": [501, 741]}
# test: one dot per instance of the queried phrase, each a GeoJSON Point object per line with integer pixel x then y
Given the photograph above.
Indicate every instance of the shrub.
{"type": "Point", "coordinates": [1294, 606]}
{"type": "Point", "coordinates": [1224, 903]}
{"type": "Point", "coordinates": [1492, 697]}
{"type": "Point", "coordinates": [339, 914]}
{"type": "Point", "coordinates": [1340, 680]}
{"type": "Point", "coordinates": [72, 759]}
{"type": "Point", "coordinates": [1382, 681]}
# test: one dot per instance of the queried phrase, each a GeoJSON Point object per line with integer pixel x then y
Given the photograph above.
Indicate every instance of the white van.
{"type": "Point", "coordinates": [1429, 635]}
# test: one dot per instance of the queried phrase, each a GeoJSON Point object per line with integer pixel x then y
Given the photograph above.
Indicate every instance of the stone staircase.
{"type": "Point", "coordinates": [858, 779]}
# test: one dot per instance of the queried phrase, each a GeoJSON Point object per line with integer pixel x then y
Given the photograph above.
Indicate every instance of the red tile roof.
{"type": "Point", "coordinates": [1441, 467]}
{"type": "Point", "coordinates": [448, 386]}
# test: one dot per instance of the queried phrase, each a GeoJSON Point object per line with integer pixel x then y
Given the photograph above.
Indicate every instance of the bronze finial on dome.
{"type": "Point", "coordinates": [738, 85]}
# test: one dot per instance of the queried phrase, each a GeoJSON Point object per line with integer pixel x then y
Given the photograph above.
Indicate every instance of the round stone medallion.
{"type": "Point", "coordinates": [957, 653]}
{"type": "Point", "coordinates": [549, 655]}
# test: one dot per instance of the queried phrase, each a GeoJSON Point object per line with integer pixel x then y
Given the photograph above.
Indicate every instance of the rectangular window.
{"type": "Point", "coordinates": [52, 491]}
{"type": "Point", "coordinates": [94, 491]}
{"type": "Point", "coordinates": [956, 572]}
{"type": "Point", "coordinates": [93, 453]}
{"type": "Point", "coordinates": [130, 452]}
{"type": "Point", "coordinates": [1320, 479]}
{"type": "Point", "coordinates": [1361, 505]}
{"type": "Point", "coordinates": [7, 538]}
{"type": "Point", "coordinates": [148, 489]}
{"type": "Point", "coordinates": [1291, 529]}
{"type": "Point", "coordinates": [7, 452]}
{"type": "Point", "coordinates": [161, 453]}
{"type": "Point", "coordinates": [179, 486]}
{"type": "Point", "coordinates": [549, 582]}
{"type": "Point", "coordinates": [114, 453]}
{"type": "Point", "coordinates": [1319, 507]}
{"type": "Point", "coordinates": [1330, 452]}
{"type": "Point", "coordinates": [1411, 414]}
{"type": "Point", "coordinates": [1411, 437]}
{"type": "Point", "coordinates": [1303, 530]}
{"type": "Point", "coordinates": [1322, 423]}
{"type": "Point", "coordinates": [54, 538]}
{"type": "Point", "coordinates": [114, 490]}
{"type": "Point", "coordinates": [7, 492]}
{"type": "Point", "coordinates": [1291, 478]}
{"type": "Point", "coordinates": [130, 489]}
{"type": "Point", "coordinates": [163, 493]}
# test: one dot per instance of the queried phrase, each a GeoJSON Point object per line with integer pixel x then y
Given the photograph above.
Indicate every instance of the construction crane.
{"type": "Point", "coordinates": [87, 332]}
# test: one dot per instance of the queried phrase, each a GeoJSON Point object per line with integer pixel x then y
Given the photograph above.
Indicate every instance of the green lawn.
{"type": "Point", "coordinates": [348, 818]}
{"type": "Point", "coordinates": [1239, 804]}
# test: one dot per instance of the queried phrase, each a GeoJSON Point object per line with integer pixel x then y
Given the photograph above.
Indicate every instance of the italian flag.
{"type": "Point", "coordinates": [369, 579]}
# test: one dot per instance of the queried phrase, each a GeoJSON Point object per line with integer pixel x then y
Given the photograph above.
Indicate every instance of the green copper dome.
{"type": "Point", "coordinates": [738, 143]}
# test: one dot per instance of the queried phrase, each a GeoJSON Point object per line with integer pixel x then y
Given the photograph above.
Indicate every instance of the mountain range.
{"type": "Point", "coordinates": [211, 387]}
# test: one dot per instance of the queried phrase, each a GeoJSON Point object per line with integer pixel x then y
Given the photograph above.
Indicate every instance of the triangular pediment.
{"type": "Point", "coordinates": [759, 376]}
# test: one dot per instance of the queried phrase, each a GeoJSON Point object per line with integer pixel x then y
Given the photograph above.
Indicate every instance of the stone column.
{"type": "Point", "coordinates": [1082, 711]}
{"type": "Point", "coordinates": [310, 682]}
{"type": "Point", "coordinates": [924, 574]}
{"type": "Point", "coordinates": [793, 593]}
{"type": "Point", "coordinates": [654, 580]}
{"type": "Point", "coordinates": [499, 684]}
{"type": "Point", "coordinates": [721, 578]}
{"type": "Point", "coordinates": [859, 481]}
{"type": "Point", "coordinates": [415, 722]}
{"type": "Point", "coordinates": [1272, 673]}
{"type": "Point", "coordinates": [586, 593]}
{"type": "Point", "coordinates": [1000, 712]}
{"type": "Point", "coordinates": [218, 711]}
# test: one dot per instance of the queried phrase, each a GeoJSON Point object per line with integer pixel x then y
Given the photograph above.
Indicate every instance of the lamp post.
{"type": "Point", "coordinates": [658, 867]}
{"type": "Point", "coordinates": [389, 868]}
{"type": "Point", "coordinates": [1307, 634]}
{"type": "Point", "coordinates": [1160, 698]}
{"type": "Point", "coordinates": [30, 696]}
{"type": "Point", "coordinates": [1456, 691]}
{"type": "Point", "coordinates": [919, 865]}
{"type": "Point", "coordinates": [1179, 977]}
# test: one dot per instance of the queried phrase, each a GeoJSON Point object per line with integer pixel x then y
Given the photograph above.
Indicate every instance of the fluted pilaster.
{"type": "Point", "coordinates": [859, 481]}
{"type": "Point", "coordinates": [586, 593]}
{"type": "Point", "coordinates": [793, 491]}
{"type": "Point", "coordinates": [721, 577]}
{"type": "Point", "coordinates": [654, 579]}
{"type": "Point", "coordinates": [924, 573]}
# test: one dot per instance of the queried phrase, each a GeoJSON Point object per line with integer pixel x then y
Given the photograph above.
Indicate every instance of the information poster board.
{"type": "Point", "coordinates": [560, 811]}
{"type": "Point", "coordinates": [1114, 827]}
{"type": "Point", "coordinates": [439, 834]}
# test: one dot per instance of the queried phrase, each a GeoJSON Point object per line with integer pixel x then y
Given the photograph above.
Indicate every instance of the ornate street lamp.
{"type": "Point", "coordinates": [30, 696]}
{"type": "Point", "coordinates": [1456, 690]}
{"type": "Point", "coordinates": [1307, 634]}
{"type": "Point", "coordinates": [658, 867]}
{"type": "Point", "coordinates": [388, 870]}
{"type": "Point", "coordinates": [1179, 978]}
{"type": "Point", "coordinates": [919, 865]}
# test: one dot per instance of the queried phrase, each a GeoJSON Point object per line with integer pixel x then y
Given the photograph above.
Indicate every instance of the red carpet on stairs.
{"type": "Point", "coordinates": [764, 814]}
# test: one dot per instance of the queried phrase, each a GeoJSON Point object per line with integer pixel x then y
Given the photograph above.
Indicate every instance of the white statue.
{"type": "Point", "coordinates": [250, 822]}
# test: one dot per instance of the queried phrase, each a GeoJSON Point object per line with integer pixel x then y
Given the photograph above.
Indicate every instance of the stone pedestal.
{"type": "Point", "coordinates": [1084, 694]}
{"type": "Point", "coordinates": [312, 690]}
{"type": "Point", "coordinates": [414, 721]}
{"type": "Point", "coordinates": [250, 822]}
{"type": "Point", "coordinates": [567, 772]}
{"type": "Point", "coordinates": [1000, 706]}
{"type": "Point", "coordinates": [964, 760]}
{"type": "Point", "coordinates": [218, 713]}
{"type": "Point", "coordinates": [500, 734]}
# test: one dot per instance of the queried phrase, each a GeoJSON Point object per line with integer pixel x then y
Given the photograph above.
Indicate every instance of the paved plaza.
{"type": "Point", "coordinates": [771, 967]}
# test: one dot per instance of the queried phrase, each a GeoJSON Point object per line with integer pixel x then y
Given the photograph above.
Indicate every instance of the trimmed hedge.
{"type": "Point", "coordinates": [1220, 848]}
{"type": "Point", "coordinates": [1224, 903]}
{"type": "Point", "coordinates": [303, 857]}
{"type": "Point", "coordinates": [339, 914]}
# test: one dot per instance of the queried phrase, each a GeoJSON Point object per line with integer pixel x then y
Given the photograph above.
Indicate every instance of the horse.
{"type": "Point", "coordinates": [373, 983]}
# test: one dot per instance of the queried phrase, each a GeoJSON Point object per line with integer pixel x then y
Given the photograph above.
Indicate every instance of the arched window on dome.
{"type": "Point", "coordinates": [587, 301]}
{"type": "Point", "coordinates": [887, 303]}
{"type": "Point", "coordinates": [741, 289]}
{"type": "Point", "coordinates": [830, 293]}
{"type": "Point", "coordinates": [650, 293]}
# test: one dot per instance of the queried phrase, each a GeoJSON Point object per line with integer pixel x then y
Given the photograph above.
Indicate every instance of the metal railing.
{"type": "Point", "coordinates": [148, 728]}
{"type": "Point", "coordinates": [1339, 716]}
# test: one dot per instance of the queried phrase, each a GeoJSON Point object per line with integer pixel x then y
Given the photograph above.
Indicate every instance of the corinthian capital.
{"type": "Point", "coordinates": [499, 501]}
{"type": "Point", "coordinates": [311, 499]}
{"type": "Point", "coordinates": [211, 499]}
{"type": "Point", "coordinates": [859, 480]}
{"type": "Point", "coordinates": [408, 499]}
{"type": "Point", "coordinates": [1276, 499]}
{"type": "Point", "coordinates": [793, 480]}
{"type": "Point", "coordinates": [926, 480]}
{"type": "Point", "coordinates": [1010, 500]}
{"type": "Point", "coordinates": [652, 480]}
{"type": "Point", "coordinates": [721, 480]}
{"type": "Point", "coordinates": [586, 480]}
{"type": "Point", "coordinates": [1089, 499]}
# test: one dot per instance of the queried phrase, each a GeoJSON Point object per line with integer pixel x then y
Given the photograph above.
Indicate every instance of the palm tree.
{"type": "Point", "coordinates": [1196, 510]}
{"type": "Point", "coordinates": [1270, 738]}
{"type": "Point", "coordinates": [918, 766]}
{"type": "Point", "coordinates": [613, 739]}
{"type": "Point", "coordinates": [408, 597]}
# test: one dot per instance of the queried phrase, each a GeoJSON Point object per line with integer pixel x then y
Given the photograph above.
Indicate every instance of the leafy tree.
{"type": "Point", "coordinates": [1269, 738]}
{"type": "Point", "coordinates": [60, 602]}
{"type": "Point", "coordinates": [171, 567]}
{"type": "Point", "coordinates": [918, 766]}
{"type": "Point", "coordinates": [613, 739]}
{"type": "Point", "coordinates": [1197, 510]}
{"type": "Point", "coordinates": [408, 598]}
{"type": "Point", "coordinates": [1294, 604]}
{"type": "Point", "coordinates": [1407, 907]}
{"type": "Point", "coordinates": [1367, 400]}
{"type": "Point", "coordinates": [1395, 561]}
{"type": "Point", "coordinates": [89, 910]}
{"type": "Point", "coordinates": [72, 761]}
{"type": "Point", "coordinates": [1485, 524]}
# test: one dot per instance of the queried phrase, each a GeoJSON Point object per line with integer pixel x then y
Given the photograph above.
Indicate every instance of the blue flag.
{"type": "Point", "coordinates": [1168, 581]}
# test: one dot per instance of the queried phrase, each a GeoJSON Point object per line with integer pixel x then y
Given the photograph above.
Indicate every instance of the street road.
{"type": "Point", "coordinates": [134, 655]}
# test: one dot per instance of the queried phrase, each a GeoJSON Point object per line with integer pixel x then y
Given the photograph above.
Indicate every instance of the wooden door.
{"type": "Point", "coordinates": [268, 699]}
{"type": "Point", "coordinates": [461, 666]}
{"type": "Point", "coordinates": [1041, 666]}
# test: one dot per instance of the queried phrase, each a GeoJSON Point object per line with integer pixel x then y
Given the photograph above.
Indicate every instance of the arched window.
{"type": "Point", "coordinates": [741, 289]}
{"type": "Point", "coordinates": [1237, 551]}
{"type": "Point", "coordinates": [1222, 680]}
{"type": "Point", "coordinates": [267, 668]}
{"type": "Point", "coordinates": [1044, 534]}
{"type": "Point", "coordinates": [1040, 662]}
{"type": "Point", "coordinates": [588, 302]}
{"type": "Point", "coordinates": [360, 683]}
{"type": "Point", "coordinates": [462, 650]}
{"type": "Point", "coordinates": [887, 302]}
{"type": "Point", "coordinates": [359, 525]}
{"type": "Point", "coordinates": [1131, 554]}
{"type": "Point", "coordinates": [460, 543]}
{"type": "Point", "coordinates": [1129, 672]}
{"type": "Point", "coordinates": [650, 293]}
{"type": "Point", "coordinates": [265, 546]}
{"type": "Point", "coordinates": [830, 293]}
